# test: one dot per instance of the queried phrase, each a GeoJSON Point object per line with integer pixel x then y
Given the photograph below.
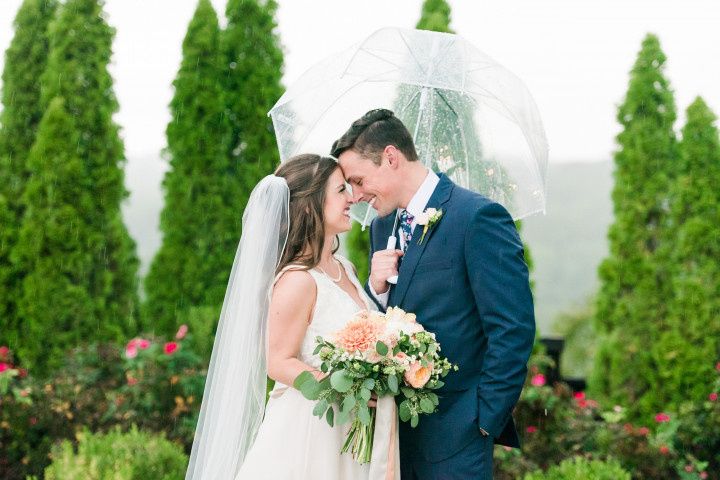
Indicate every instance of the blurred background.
{"type": "Point", "coordinates": [131, 133]}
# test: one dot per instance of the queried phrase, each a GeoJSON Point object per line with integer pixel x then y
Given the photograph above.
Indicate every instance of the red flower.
{"type": "Point", "coordinates": [22, 372]}
{"type": "Point", "coordinates": [170, 347]}
{"type": "Point", "coordinates": [628, 427]}
{"type": "Point", "coordinates": [4, 366]}
{"type": "Point", "coordinates": [531, 429]}
{"type": "Point", "coordinates": [644, 431]}
{"type": "Point", "coordinates": [538, 380]}
{"type": "Point", "coordinates": [579, 395]}
{"type": "Point", "coordinates": [582, 403]}
{"type": "Point", "coordinates": [662, 418]}
{"type": "Point", "coordinates": [182, 331]}
{"type": "Point", "coordinates": [144, 344]}
{"type": "Point", "coordinates": [664, 449]}
{"type": "Point", "coordinates": [713, 397]}
{"type": "Point", "coordinates": [132, 343]}
{"type": "Point", "coordinates": [717, 366]}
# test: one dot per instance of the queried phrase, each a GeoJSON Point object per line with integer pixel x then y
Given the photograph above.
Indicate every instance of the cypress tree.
{"type": "Point", "coordinates": [80, 50]}
{"type": "Point", "coordinates": [252, 71]}
{"type": "Point", "coordinates": [631, 313]}
{"type": "Point", "coordinates": [25, 60]}
{"type": "Point", "coordinates": [686, 354]}
{"type": "Point", "coordinates": [201, 217]}
{"type": "Point", "coordinates": [55, 231]}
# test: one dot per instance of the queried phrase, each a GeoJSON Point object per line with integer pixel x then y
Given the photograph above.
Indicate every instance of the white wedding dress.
{"type": "Point", "coordinates": [292, 443]}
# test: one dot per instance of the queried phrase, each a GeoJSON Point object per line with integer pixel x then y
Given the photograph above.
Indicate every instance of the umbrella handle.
{"type": "Point", "coordinates": [391, 244]}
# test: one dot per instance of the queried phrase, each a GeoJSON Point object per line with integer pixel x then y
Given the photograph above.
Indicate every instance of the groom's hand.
{"type": "Point", "coordinates": [384, 265]}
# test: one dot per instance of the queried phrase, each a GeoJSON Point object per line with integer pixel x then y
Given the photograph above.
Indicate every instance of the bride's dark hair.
{"type": "Point", "coordinates": [307, 176]}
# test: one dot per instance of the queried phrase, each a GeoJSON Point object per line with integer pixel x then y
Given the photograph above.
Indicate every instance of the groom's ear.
{"type": "Point", "coordinates": [392, 155]}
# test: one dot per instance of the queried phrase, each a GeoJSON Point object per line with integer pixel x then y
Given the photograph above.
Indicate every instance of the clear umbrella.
{"type": "Point", "coordinates": [470, 117]}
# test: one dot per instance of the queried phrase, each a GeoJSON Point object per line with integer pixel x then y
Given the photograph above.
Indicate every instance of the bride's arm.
{"type": "Point", "coordinates": [291, 308]}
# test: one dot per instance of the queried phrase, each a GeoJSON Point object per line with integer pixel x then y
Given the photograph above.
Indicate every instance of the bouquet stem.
{"type": "Point", "coordinates": [359, 439]}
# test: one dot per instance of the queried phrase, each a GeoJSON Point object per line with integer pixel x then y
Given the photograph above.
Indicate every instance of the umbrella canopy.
{"type": "Point", "coordinates": [471, 118]}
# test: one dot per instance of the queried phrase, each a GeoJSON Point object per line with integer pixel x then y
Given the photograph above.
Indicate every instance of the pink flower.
{"type": "Point", "coordinates": [662, 418]}
{"type": "Point", "coordinates": [579, 395]}
{"type": "Point", "coordinates": [4, 366]}
{"type": "Point", "coordinates": [132, 343]}
{"type": "Point", "coordinates": [417, 375]}
{"type": "Point", "coordinates": [144, 344]}
{"type": "Point", "coordinates": [689, 468]}
{"type": "Point", "coordinates": [170, 347]}
{"type": "Point", "coordinates": [713, 397]}
{"type": "Point", "coordinates": [33, 420]}
{"type": "Point", "coordinates": [664, 449]}
{"type": "Point", "coordinates": [644, 431]}
{"type": "Point", "coordinates": [131, 352]}
{"type": "Point", "coordinates": [22, 372]}
{"type": "Point", "coordinates": [703, 475]}
{"type": "Point", "coordinates": [132, 381]}
{"type": "Point", "coordinates": [538, 380]}
{"type": "Point", "coordinates": [717, 366]}
{"type": "Point", "coordinates": [182, 331]}
{"type": "Point", "coordinates": [4, 352]}
{"type": "Point", "coordinates": [531, 429]}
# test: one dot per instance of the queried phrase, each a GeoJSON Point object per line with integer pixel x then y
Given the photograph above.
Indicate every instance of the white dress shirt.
{"type": "Point", "coordinates": [416, 206]}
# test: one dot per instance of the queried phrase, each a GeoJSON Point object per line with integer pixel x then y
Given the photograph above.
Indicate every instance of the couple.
{"type": "Point", "coordinates": [467, 281]}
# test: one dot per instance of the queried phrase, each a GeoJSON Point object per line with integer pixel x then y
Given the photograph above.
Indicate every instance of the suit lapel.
{"type": "Point", "coordinates": [415, 250]}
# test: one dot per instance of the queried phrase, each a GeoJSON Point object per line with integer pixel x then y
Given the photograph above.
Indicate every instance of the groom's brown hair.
{"type": "Point", "coordinates": [370, 134]}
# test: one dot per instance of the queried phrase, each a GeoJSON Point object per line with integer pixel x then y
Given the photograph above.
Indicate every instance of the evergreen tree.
{"type": "Point", "coordinates": [252, 71]}
{"type": "Point", "coordinates": [52, 247]}
{"type": "Point", "coordinates": [631, 313]}
{"type": "Point", "coordinates": [686, 354]}
{"type": "Point", "coordinates": [201, 218]}
{"type": "Point", "coordinates": [25, 60]}
{"type": "Point", "coordinates": [80, 50]}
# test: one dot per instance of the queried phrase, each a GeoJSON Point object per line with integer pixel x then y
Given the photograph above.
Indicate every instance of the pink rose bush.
{"type": "Point", "coordinates": [375, 354]}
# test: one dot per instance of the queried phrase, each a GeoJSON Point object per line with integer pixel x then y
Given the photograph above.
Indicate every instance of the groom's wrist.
{"type": "Point", "coordinates": [379, 289]}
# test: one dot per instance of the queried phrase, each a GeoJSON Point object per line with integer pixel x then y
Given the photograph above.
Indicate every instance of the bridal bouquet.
{"type": "Point", "coordinates": [384, 354]}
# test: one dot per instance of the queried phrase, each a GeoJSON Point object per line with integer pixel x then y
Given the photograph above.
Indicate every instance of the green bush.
{"type": "Point", "coordinates": [581, 468]}
{"type": "Point", "coordinates": [133, 455]}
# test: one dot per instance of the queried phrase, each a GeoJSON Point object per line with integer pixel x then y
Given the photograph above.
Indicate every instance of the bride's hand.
{"type": "Point", "coordinates": [372, 403]}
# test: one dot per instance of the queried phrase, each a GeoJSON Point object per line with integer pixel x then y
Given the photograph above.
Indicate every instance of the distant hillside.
{"type": "Point", "coordinates": [569, 242]}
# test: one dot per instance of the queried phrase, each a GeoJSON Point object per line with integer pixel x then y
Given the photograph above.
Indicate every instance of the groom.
{"type": "Point", "coordinates": [466, 280]}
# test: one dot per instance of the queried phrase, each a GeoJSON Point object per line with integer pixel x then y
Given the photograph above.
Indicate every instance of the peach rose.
{"type": "Point", "coordinates": [417, 375]}
{"type": "Point", "coordinates": [360, 334]}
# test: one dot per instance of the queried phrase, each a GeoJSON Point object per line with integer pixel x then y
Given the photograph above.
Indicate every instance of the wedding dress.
{"type": "Point", "coordinates": [292, 443]}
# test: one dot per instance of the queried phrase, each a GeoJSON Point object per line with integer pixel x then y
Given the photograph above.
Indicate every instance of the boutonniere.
{"type": "Point", "coordinates": [429, 218]}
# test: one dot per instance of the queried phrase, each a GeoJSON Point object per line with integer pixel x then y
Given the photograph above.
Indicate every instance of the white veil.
{"type": "Point", "coordinates": [233, 403]}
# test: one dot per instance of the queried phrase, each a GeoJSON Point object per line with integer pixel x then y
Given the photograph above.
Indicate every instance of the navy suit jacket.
{"type": "Point", "coordinates": [468, 283]}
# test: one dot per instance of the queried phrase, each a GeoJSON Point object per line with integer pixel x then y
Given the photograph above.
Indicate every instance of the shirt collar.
{"type": "Point", "coordinates": [419, 201]}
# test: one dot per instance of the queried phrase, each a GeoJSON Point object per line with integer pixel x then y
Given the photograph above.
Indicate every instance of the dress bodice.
{"type": "Point", "coordinates": [334, 308]}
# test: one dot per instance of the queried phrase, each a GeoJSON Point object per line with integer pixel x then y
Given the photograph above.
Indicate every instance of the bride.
{"type": "Point", "coordinates": [287, 286]}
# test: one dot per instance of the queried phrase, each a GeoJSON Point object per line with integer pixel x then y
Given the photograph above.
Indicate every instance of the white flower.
{"type": "Point", "coordinates": [422, 219]}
